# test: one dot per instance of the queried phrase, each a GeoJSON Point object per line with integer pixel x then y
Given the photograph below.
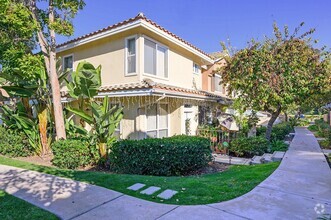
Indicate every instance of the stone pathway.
{"type": "Point", "coordinates": [301, 185]}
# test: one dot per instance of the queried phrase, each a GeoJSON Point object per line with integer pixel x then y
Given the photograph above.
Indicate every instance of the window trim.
{"type": "Point", "coordinates": [73, 60]}
{"type": "Point", "coordinates": [157, 118]}
{"type": "Point", "coordinates": [167, 56]}
{"type": "Point", "coordinates": [126, 56]}
{"type": "Point", "coordinates": [199, 68]}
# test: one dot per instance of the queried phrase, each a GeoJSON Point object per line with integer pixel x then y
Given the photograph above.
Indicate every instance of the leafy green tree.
{"type": "Point", "coordinates": [26, 25]}
{"type": "Point", "coordinates": [277, 72]}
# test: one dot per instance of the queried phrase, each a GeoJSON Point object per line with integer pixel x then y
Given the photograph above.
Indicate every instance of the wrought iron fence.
{"type": "Point", "coordinates": [219, 139]}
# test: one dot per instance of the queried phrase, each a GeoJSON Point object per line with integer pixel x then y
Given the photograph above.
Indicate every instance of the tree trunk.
{"type": "Point", "coordinates": [286, 117]}
{"type": "Point", "coordinates": [49, 52]}
{"type": "Point", "coordinates": [42, 116]}
{"type": "Point", "coordinates": [273, 118]}
{"type": "Point", "coordinates": [54, 81]}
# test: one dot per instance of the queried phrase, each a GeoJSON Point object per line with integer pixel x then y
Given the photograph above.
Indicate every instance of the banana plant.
{"type": "Point", "coordinates": [34, 93]}
{"type": "Point", "coordinates": [102, 119]}
{"type": "Point", "coordinates": [17, 119]}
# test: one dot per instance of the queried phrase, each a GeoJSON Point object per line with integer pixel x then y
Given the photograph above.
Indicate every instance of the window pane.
{"type": "Point", "coordinates": [163, 133]}
{"type": "Point", "coordinates": [163, 116]}
{"type": "Point", "coordinates": [150, 57]}
{"type": "Point", "coordinates": [218, 87]}
{"type": "Point", "coordinates": [131, 64]}
{"type": "Point", "coordinates": [67, 63]}
{"type": "Point", "coordinates": [151, 117]}
{"type": "Point", "coordinates": [132, 46]}
{"type": "Point", "coordinates": [161, 62]}
{"type": "Point", "coordinates": [151, 134]}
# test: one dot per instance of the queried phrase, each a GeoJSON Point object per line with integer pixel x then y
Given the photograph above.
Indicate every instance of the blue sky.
{"type": "Point", "coordinates": [206, 23]}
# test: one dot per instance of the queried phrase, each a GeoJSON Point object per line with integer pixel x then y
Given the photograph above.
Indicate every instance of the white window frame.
{"type": "Point", "coordinates": [199, 68]}
{"type": "Point", "coordinates": [157, 119]}
{"type": "Point", "coordinates": [157, 44]}
{"type": "Point", "coordinates": [126, 55]}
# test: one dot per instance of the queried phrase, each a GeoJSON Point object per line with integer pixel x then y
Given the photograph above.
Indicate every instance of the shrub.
{"type": "Point", "coordinates": [260, 131]}
{"type": "Point", "coordinates": [313, 128]}
{"type": "Point", "coordinates": [278, 145]}
{"type": "Point", "coordinates": [249, 146]}
{"type": "Point", "coordinates": [14, 144]}
{"type": "Point", "coordinates": [71, 154]}
{"type": "Point", "coordinates": [279, 131]}
{"type": "Point", "coordinates": [162, 157]}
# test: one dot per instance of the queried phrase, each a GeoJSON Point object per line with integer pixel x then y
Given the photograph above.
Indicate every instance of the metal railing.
{"type": "Point", "coordinates": [217, 138]}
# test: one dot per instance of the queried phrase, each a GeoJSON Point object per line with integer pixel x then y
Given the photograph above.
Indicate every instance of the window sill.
{"type": "Point", "coordinates": [131, 74]}
{"type": "Point", "coordinates": [156, 77]}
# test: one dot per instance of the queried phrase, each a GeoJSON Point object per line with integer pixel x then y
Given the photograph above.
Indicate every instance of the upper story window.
{"type": "Point", "coordinates": [196, 68]}
{"type": "Point", "coordinates": [131, 55]}
{"type": "Point", "coordinates": [155, 59]}
{"type": "Point", "coordinates": [218, 85]}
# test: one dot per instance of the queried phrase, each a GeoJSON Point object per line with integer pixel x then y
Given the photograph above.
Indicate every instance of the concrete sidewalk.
{"type": "Point", "coordinates": [301, 185]}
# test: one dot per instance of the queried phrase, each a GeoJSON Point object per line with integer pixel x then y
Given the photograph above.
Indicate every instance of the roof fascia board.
{"type": "Point", "coordinates": [99, 36]}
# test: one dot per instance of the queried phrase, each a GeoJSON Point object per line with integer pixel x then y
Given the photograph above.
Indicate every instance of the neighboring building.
{"type": "Point", "coordinates": [155, 75]}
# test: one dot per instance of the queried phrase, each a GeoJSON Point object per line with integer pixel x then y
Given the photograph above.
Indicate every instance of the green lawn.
{"type": "Point", "coordinates": [204, 189]}
{"type": "Point", "coordinates": [14, 208]}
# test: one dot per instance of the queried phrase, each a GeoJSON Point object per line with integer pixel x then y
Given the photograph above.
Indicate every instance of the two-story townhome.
{"type": "Point", "coordinates": [154, 74]}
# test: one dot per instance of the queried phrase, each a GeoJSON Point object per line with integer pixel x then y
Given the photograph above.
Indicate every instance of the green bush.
{"type": "Point", "coordinates": [313, 128]}
{"type": "Point", "coordinates": [260, 131]}
{"type": "Point", "coordinates": [161, 157]}
{"type": "Point", "coordinates": [249, 146]}
{"type": "Point", "coordinates": [71, 154]}
{"type": "Point", "coordinates": [14, 144]}
{"type": "Point", "coordinates": [279, 131]}
{"type": "Point", "coordinates": [278, 145]}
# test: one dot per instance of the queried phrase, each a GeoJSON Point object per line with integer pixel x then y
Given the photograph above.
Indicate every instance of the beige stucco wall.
{"type": "Point", "coordinates": [110, 54]}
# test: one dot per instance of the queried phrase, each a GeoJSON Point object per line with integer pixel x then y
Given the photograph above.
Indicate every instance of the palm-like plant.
{"type": "Point", "coordinates": [33, 91]}
{"type": "Point", "coordinates": [102, 119]}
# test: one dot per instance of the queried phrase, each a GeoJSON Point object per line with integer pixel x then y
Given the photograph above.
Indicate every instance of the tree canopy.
{"type": "Point", "coordinates": [278, 72]}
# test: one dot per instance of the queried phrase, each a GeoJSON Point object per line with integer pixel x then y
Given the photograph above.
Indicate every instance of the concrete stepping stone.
{"type": "Point", "coordinates": [136, 186]}
{"type": "Point", "coordinates": [266, 158]}
{"type": "Point", "coordinates": [150, 190]}
{"type": "Point", "coordinates": [256, 160]}
{"type": "Point", "coordinates": [278, 155]}
{"type": "Point", "coordinates": [167, 194]}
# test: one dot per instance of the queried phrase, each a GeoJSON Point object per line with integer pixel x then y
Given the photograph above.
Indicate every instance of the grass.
{"type": "Point", "coordinates": [203, 189]}
{"type": "Point", "coordinates": [14, 208]}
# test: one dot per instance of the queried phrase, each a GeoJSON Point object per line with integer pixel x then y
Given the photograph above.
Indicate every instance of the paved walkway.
{"type": "Point", "coordinates": [302, 181]}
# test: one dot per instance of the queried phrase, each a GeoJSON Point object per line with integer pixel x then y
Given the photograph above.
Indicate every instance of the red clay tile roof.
{"type": "Point", "coordinates": [150, 84]}
{"type": "Point", "coordinates": [138, 17]}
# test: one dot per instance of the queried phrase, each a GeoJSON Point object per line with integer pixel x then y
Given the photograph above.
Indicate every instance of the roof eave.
{"type": "Point", "coordinates": [131, 25]}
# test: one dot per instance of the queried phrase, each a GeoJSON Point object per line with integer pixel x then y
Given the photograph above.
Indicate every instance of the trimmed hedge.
{"type": "Point", "coordinates": [14, 144]}
{"type": "Point", "coordinates": [249, 146]}
{"type": "Point", "coordinates": [161, 157]}
{"type": "Point", "coordinates": [71, 154]}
